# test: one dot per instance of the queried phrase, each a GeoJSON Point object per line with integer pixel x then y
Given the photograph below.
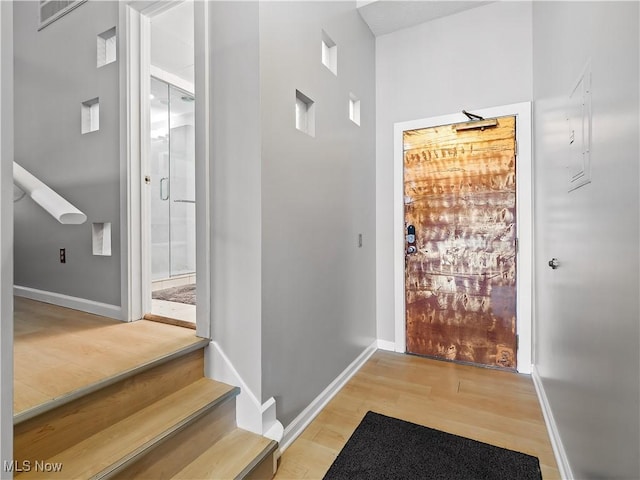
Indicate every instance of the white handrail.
{"type": "Point", "coordinates": [44, 196]}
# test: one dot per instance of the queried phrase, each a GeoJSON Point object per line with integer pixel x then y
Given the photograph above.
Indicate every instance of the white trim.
{"type": "Point", "coordinates": [145, 196]}
{"type": "Point", "coordinates": [524, 193]}
{"type": "Point", "coordinates": [130, 194]}
{"type": "Point", "coordinates": [271, 427]}
{"type": "Point", "coordinates": [386, 345]}
{"type": "Point", "coordinates": [250, 413]}
{"type": "Point", "coordinates": [6, 234]}
{"type": "Point", "coordinates": [297, 426]}
{"type": "Point", "coordinates": [151, 8]}
{"type": "Point", "coordinates": [203, 189]}
{"type": "Point", "coordinates": [82, 304]}
{"type": "Point", "coordinates": [554, 435]}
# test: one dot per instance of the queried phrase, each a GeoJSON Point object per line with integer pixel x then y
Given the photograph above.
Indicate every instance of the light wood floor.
{"type": "Point", "coordinates": [58, 351]}
{"type": "Point", "coordinates": [490, 406]}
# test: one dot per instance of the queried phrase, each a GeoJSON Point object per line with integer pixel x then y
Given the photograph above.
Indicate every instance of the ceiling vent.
{"type": "Point", "coordinates": [52, 10]}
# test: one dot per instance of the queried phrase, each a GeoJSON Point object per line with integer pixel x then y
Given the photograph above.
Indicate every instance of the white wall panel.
{"type": "Point", "coordinates": [587, 310]}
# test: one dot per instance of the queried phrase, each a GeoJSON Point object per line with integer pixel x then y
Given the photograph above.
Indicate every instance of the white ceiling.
{"type": "Point", "coordinates": [386, 16]}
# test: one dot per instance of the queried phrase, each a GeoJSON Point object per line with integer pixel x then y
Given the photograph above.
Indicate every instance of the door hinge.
{"type": "Point", "coordinates": [517, 342]}
{"type": "Point", "coordinates": [517, 245]}
{"type": "Point", "coordinates": [515, 148]}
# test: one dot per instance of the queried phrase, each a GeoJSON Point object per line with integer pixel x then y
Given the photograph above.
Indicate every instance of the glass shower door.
{"type": "Point", "coordinates": [182, 211]}
{"type": "Point", "coordinates": [172, 166]}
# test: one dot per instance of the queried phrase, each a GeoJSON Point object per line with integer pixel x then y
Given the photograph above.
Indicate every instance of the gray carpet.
{"type": "Point", "coordinates": [183, 294]}
{"type": "Point", "coordinates": [387, 448]}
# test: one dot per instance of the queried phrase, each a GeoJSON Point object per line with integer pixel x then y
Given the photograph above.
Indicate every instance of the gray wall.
{"type": "Point", "coordinates": [235, 179]}
{"type": "Point", "coordinates": [318, 194]}
{"type": "Point", "coordinates": [6, 235]}
{"type": "Point", "coordinates": [475, 59]}
{"type": "Point", "coordinates": [586, 331]}
{"type": "Point", "coordinates": [55, 71]}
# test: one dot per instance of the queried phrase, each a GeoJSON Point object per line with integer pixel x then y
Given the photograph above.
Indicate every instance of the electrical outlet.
{"type": "Point", "coordinates": [63, 255]}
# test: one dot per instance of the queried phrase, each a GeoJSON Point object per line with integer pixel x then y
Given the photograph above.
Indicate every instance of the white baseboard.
{"type": "Point", "coordinates": [250, 413]}
{"type": "Point", "coordinates": [297, 426]}
{"type": "Point", "coordinates": [82, 304]}
{"type": "Point", "coordinates": [387, 345]}
{"type": "Point", "coordinates": [552, 428]}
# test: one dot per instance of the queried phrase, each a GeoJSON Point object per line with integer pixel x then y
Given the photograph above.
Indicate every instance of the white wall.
{"type": "Point", "coordinates": [6, 235]}
{"type": "Point", "coordinates": [318, 194]}
{"type": "Point", "coordinates": [475, 59]}
{"type": "Point", "coordinates": [56, 71]}
{"type": "Point", "coordinates": [587, 312]}
{"type": "Point", "coordinates": [235, 179]}
{"type": "Point", "coordinates": [289, 282]}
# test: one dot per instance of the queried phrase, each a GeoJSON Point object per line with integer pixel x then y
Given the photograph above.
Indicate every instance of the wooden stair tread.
{"type": "Point", "coordinates": [56, 430]}
{"type": "Point", "coordinates": [124, 442]}
{"type": "Point", "coordinates": [31, 401]}
{"type": "Point", "coordinates": [229, 457]}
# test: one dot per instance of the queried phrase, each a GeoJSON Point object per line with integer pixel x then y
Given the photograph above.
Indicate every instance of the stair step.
{"type": "Point", "coordinates": [134, 369]}
{"type": "Point", "coordinates": [123, 401]}
{"type": "Point", "coordinates": [120, 445]}
{"type": "Point", "coordinates": [167, 459]}
{"type": "Point", "coordinates": [239, 454]}
{"type": "Point", "coordinates": [50, 433]}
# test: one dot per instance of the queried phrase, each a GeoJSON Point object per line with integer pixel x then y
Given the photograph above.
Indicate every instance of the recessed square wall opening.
{"type": "Point", "coordinates": [107, 47]}
{"type": "Point", "coordinates": [101, 238]}
{"type": "Point", "coordinates": [354, 109]}
{"type": "Point", "coordinates": [329, 53]}
{"type": "Point", "coordinates": [90, 115]}
{"type": "Point", "coordinates": [305, 114]}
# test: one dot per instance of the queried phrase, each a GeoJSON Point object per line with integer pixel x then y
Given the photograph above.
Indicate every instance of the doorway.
{"type": "Point", "coordinates": [172, 192]}
{"type": "Point", "coordinates": [170, 164]}
{"type": "Point", "coordinates": [524, 225]}
{"type": "Point", "coordinates": [460, 219]}
{"type": "Point", "coordinates": [183, 63]}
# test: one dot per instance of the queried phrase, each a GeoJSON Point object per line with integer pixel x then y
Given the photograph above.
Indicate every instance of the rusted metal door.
{"type": "Point", "coordinates": [460, 275]}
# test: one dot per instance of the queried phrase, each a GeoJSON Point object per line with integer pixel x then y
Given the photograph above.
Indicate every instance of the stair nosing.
{"type": "Point", "coordinates": [212, 464]}
{"type": "Point", "coordinates": [81, 392]}
{"type": "Point", "coordinates": [268, 450]}
{"type": "Point", "coordinates": [148, 446]}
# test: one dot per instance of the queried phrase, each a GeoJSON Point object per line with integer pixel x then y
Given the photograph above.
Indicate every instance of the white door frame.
{"type": "Point", "coordinates": [524, 225]}
{"type": "Point", "coordinates": [135, 21]}
{"type": "Point", "coordinates": [6, 235]}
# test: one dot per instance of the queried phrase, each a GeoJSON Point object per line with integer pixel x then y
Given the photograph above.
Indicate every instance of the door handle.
{"type": "Point", "coordinates": [411, 240]}
{"type": "Point", "coordinates": [164, 185]}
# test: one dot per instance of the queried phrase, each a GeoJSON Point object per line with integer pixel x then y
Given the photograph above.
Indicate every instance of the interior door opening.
{"type": "Point", "coordinates": [461, 243]}
{"type": "Point", "coordinates": [170, 166]}
{"type": "Point", "coordinates": [172, 192]}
